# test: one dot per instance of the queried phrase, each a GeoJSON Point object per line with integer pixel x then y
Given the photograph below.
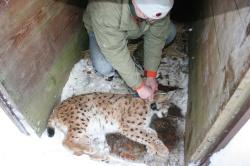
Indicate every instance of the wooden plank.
{"type": "Point", "coordinates": [204, 45]}
{"type": "Point", "coordinates": [35, 58]}
{"type": "Point", "coordinates": [241, 119]}
{"type": "Point", "coordinates": [203, 90]}
{"type": "Point", "coordinates": [236, 126]}
{"type": "Point", "coordinates": [230, 35]}
{"type": "Point", "coordinates": [8, 106]}
{"type": "Point", "coordinates": [234, 106]}
{"type": "Point", "coordinates": [38, 47]}
{"type": "Point", "coordinates": [220, 60]}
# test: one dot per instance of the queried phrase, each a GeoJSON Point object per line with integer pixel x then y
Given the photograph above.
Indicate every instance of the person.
{"type": "Point", "coordinates": [111, 23]}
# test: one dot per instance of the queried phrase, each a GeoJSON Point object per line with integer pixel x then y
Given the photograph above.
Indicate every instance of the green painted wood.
{"type": "Point", "coordinates": [40, 41]}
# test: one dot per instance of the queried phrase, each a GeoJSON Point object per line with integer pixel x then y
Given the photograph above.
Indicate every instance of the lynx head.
{"type": "Point", "coordinates": [160, 105]}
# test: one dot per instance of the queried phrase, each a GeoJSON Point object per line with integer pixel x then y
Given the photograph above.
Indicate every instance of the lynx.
{"type": "Point", "coordinates": [87, 117]}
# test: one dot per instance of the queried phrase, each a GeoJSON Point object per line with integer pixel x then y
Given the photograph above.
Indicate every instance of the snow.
{"type": "Point", "coordinates": [83, 79]}
{"type": "Point", "coordinates": [19, 149]}
{"type": "Point", "coordinates": [236, 153]}
{"type": "Point", "coordinates": [30, 150]}
{"type": "Point", "coordinates": [173, 68]}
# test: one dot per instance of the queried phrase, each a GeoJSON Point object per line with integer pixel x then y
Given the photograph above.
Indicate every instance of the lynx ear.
{"type": "Point", "coordinates": [161, 97]}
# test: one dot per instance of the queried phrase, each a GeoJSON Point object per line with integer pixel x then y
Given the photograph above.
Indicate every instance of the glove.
{"type": "Point", "coordinates": [151, 80]}
{"type": "Point", "coordinates": [152, 83]}
{"type": "Point", "coordinates": [145, 92]}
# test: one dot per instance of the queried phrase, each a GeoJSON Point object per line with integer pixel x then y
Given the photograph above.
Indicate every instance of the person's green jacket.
{"type": "Point", "coordinates": [113, 24]}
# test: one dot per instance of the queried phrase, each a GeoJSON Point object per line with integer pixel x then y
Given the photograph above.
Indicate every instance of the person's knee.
{"type": "Point", "coordinates": [100, 64]}
{"type": "Point", "coordinates": [103, 68]}
{"type": "Point", "coordinates": [172, 33]}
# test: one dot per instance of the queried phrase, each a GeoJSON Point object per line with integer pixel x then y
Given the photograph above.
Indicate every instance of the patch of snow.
{"type": "Point", "coordinates": [174, 73]}
{"type": "Point", "coordinates": [237, 151]}
{"type": "Point", "coordinates": [176, 157]}
{"type": "Point", "coordinates": [84, 80]}
{"type": "Point", "coordinates": [19, 149]}
{"type": "Point", "coordinates": [192, 164]}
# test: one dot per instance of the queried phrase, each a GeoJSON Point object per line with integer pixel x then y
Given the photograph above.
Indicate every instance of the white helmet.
{"type": "Point", "coordinates": [154, 9]}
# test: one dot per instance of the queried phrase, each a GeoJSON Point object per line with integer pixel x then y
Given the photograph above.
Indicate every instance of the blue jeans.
{"type": "Point", "coordinates": [101, 65]}
{"type": "Point", "coordinates": [172, 34]}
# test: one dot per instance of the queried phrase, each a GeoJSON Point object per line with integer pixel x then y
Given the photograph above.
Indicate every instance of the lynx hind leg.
{"type": "Point", "coordinates": [148, 137]}
{"type": "Point", "coordinates": [102, 149]}
{"type": "Point", "coordinates": [78, 143]}
{"type": "Point", "coordinates": [100, 157]}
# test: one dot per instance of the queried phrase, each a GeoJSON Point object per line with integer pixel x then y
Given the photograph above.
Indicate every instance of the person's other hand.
{"type": "Point", "coordinates": [152, 83]}
{"type": "Point", "coordinates": [145, 92]}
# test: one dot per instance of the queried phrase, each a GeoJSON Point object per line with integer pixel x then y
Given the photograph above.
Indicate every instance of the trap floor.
{"type": "Point", "coordinates": [172, 77]}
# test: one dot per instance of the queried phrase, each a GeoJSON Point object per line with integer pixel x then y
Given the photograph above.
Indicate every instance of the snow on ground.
{"type": "Point", "coordinates": [173, 71]}
{"type": "Point", "coordinates": [84, 80]}
{"type": "Point", "coordinates": [236, 153]}
{"type": "Point", "coordinates": [19, 149]}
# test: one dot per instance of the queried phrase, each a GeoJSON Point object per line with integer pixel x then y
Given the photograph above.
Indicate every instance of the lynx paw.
{"type": "Point", "coordinates": [159, 149]}
{"type": "Point", "coordinates": [162, 151]}
{"type": "Point", "coordinates": [100, 157]}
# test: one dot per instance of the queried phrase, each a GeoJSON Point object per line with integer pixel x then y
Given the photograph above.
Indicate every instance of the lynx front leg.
{"type": "Point", "coordinates": [79, 144]}
{"type": "Point", "coordinates": [148, 137]}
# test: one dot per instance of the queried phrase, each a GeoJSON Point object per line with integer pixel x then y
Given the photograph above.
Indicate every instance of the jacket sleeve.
{"type": "Point", "coordinates": [113, 45]}
{"type": "Point", "coordinates": [154, 41]}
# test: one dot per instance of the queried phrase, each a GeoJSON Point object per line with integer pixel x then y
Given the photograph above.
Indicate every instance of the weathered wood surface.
{"type": "Point", "coordinates": [220, 56]}
{"type": "Point", "coordinates": [40, 40]}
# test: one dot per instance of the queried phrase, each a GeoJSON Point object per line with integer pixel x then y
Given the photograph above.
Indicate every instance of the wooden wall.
{"type": "Point", "coordinates": [40, 40]}
{"type": "Point", "coordinates": [219, 59]}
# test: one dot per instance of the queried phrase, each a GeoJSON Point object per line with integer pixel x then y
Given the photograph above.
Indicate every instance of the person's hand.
{"type": "Point", "coordinates": [145, 92]}
{"type": "Point", "coordinates": [152, 83]}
